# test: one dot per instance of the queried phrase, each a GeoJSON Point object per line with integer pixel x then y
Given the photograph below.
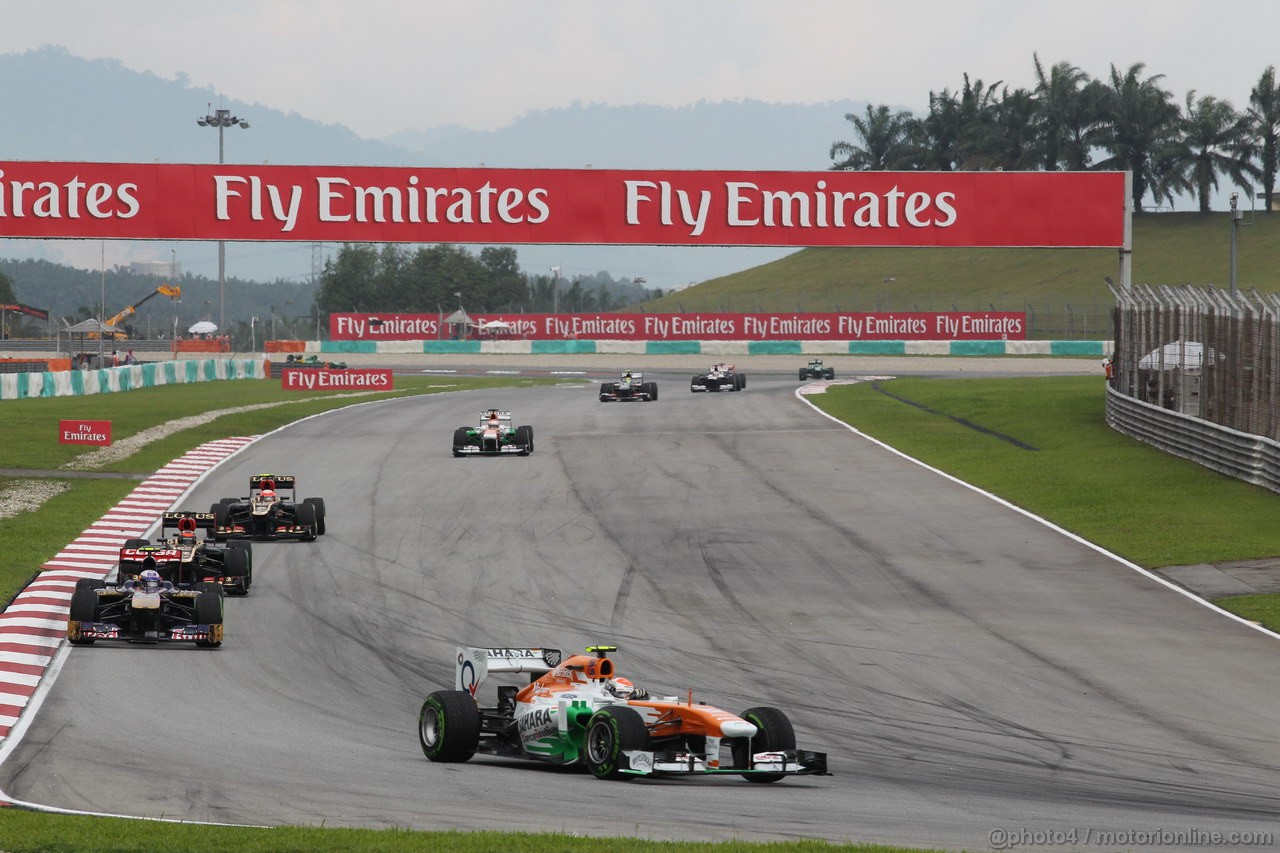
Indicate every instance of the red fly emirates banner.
{"type": "Point", "coordinates": [147, 201]}
{"type": "Point", "coordinates": [872, 326]}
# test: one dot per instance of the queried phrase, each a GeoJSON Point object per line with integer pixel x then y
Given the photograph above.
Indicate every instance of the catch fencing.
{"type": "Point", "coordinates": [1196, 372]}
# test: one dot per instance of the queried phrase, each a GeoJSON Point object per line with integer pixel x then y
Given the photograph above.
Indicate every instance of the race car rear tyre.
{"type": "Point", "coordinates": [449, 726]}
{"type": "Point", "coordinates": [829, 373]}
{"type": "Point", "coordinates": [306, 517]}
{"type": "Point", "coordinates": [236, 565]}
{"type": "Point", "coordinates": [773, 733]}
{"type": "Point", "coordinates": [524, 440]}
{"type": "Point", "coordinates": [208, 609]}
{"type": "Point", "coordinates": [84, 608]}
{"type": "Point", "coordinates": [610, 732]}
{"type": "Point", "coordinates": [459, 440]}
{"type": "Point", "coordinates": [319, 505]}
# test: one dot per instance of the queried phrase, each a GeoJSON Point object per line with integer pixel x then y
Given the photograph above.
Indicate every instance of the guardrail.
{"type": "Point", "coordinates": [1252, 458]}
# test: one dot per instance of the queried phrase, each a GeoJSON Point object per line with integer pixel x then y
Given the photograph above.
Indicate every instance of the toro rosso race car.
{"type": "Point", "coordinates": [721, 377]}
{"type": "Point", "coordinates": [271, 511]}
{"type": "Point", "coordinates": [493, 437]}
{"type": "Point", "coordinates": [631, 386]}
{"type": "Point", "coordinates": [577, 710]}
{"type": "Point", "coordinates": [815, 370]}
{"type": "Point", "coordinates": [185, 560]}
{"type": "Point", "coordinates": [145, 609]}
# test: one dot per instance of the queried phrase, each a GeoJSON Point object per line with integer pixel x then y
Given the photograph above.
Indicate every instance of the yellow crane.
{"type": "Point", "coordinates": [172, 291]}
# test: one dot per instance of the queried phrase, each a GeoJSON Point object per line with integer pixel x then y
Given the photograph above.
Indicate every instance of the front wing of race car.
{"type": "Point", "coordinates": [275, 526]}
{"type": "Point", "coordinates": [792, 762]}
{"type": "Point", "coordinates": [175, 633]}
{"type": "Point", "coordinates": [477, 450]}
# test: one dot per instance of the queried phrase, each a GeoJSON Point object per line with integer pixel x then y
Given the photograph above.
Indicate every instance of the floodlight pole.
{"type": "Point", "coordinates": [222, 119]}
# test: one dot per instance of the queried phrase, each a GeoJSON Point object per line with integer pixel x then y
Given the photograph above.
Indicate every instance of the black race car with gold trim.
{"type": "Point", "coordinates": [270, 511]}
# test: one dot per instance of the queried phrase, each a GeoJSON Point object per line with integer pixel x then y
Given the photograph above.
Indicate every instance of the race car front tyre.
{"type": "Point", "coordinates": [804, 374]}
{"type": "Point", "coordinates": [604, 392]}
{"type": "Point", "coordinates": [774, 733]}
{"type": "Point", "coordinates": [611, 731]}
{"type": "Point", "coordinates": [136, 543]}
{"type": "Point", "coordinates": [653, 390]}
{"type": "Point", "coordinates": [236, 565]}
{"type": "Point", "coordinates": [208, 610]}
{"type": "Point", "coordinates": [449, 726]}
{"type": "Point", "coordinates": [84, 608]}
{"type": "Point", "coordinates": [459, 440]}
{"type": "Point", "coordinates": [221, 514]}
{"type": "Point", "coordinates": [742, 381]}
{"type": "Point", "coordinates": [319, 505]}
{"type": "Point", "coordinates": [524, 440]}
{"type": "Point", "coordinates": [90, 583]}
{"type": "Point", "coordinates": [693, 384]}
{"type": "Point", "coordinates": [306, 517]}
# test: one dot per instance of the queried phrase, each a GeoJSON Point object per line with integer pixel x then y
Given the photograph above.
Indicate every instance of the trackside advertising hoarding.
{"type": "Point", "coordinates": [84, 432]}
{"type": "Point", "coordinates": [150, 201]}
{"type": "Point", "coordinates": [869, 326]}
{"type": "Point", "coordinates": [324, 379]}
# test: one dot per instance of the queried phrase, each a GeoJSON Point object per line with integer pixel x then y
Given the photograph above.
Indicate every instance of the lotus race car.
{"type": "Point", "coordinates": [721, 377]}
{"type": "Point", "coordinates": [185, 560]}
{"type": "Point", "coordinates": [494, 437]}
{"type": "Point", "coordinates": [815, 370]}
{"type": "Point", "coordinates": [578, 711]}
{"type": "Point", "coordinates": [631, 386]}
{"type": "Point", "coordinates": [264, 514]}
{"type": "Point", "coordinates": [129, 611]}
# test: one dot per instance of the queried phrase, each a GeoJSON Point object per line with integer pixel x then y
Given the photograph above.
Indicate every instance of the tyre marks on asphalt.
{"type": "Point", "coordinates": [34, 626]}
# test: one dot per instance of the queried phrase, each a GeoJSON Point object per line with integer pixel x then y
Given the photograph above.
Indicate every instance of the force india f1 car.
{"type": "Point", "coordinates": [721, 377]}
{"type": "Point", "coordinates": [185, 560]}
{"type": "Point", "coordinates": [578, 711]}
{"type": "Point", "coordinates": [815, 370]}
{"type": "Point", "coordinates": [494, 437]}
{"type": "Point", "coordinates": [631, 386]}
{"type": "Point", "coordinates": [133, 612]}
{"type": "Point", "coordinates": [265, 514]}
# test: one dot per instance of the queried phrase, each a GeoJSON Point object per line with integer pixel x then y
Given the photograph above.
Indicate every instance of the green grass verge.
{"type": "Point", "coordinates": [1263, 609]}
{"type": "Point", "coordinates": [1168, 248]}
{"type": "Point", "coordinates": [1147, 506]}
{"type": "Point", "coordinates": [26, 832]}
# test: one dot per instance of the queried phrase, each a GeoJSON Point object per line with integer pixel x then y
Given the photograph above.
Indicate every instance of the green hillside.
{"type": "Point", "coordinates": [1063, 289]}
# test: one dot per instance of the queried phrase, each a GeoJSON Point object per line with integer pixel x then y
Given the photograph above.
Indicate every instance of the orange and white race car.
{"type": "Point", "coordinates": [578, 710]}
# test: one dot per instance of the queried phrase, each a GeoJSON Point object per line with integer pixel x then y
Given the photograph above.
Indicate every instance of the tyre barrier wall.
{"type": "Point", "coordinates": [1252, 458]}
{"type": "Point", "coordinates": [714, 348]}
{"type": "Point", "coordinates": [76, 383]}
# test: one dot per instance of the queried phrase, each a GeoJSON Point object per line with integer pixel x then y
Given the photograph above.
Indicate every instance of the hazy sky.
{"type": "Point", "coordinates": [378, 66]}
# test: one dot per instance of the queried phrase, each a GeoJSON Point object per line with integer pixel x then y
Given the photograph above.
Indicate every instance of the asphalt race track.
{"type": "Point", "coordinates": [966, 667]}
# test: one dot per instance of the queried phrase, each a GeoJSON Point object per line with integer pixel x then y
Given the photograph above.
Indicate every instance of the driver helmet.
{"type": "Point", "coordinates": [268, 494]}
{"type": "Point", "coordinates": [622, 688]}
{"type": "Point", "coordinates": [187, 536]}
{"type": "Point", "coordinates": [149, 580]}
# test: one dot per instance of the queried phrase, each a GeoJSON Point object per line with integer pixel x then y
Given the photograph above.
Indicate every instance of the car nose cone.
{"type": "Point", "coordinates": [737, 728]}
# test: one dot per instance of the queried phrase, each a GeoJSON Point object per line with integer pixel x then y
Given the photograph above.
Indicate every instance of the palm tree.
{"type": "Point", "coordinates": [1013, 142]}
{"type": "Point", "coordinates": [1264, 122]}
{"type": "Point", "coordinates": [1142, 122]}
{"type": "Point", "coordinates": [881, 145]}
{"type": "Point", "coordinates": [1215, 140]}
{"type": "Point", "coordinates": [1070, 113]}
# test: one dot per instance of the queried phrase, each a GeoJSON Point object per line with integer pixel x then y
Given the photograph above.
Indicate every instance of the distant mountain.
{"type": "Point", "coordinates": [57, 106]}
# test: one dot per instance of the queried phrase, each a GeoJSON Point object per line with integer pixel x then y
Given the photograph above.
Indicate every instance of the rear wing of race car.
{"type": "Point", "coordinates": [173, 521]}
{"type": "Point", "coordinates": [487, 413]}
{"type": "Point", "coordinates": [475, 664]}
{"type": "Point", "coordinates": [258, 482]}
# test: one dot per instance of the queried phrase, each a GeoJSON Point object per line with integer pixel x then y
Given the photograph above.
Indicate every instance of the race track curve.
{"type": "Point", "coordinates": [966, 667]}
